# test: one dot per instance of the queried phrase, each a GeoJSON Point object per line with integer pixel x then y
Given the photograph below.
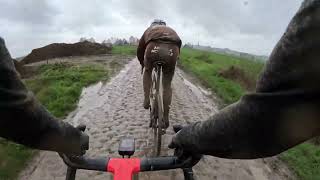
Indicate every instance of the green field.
{"type": "Point", "coordinates": [207, 66]}
{"type": "Point", "coordinates": [124, 50]}
{"type": "Point", "coordinates": [58, 87]}
{"type": "Point", "coordinates": [304, 160]}
{"type": "Point", "coordinates": [13, 159]}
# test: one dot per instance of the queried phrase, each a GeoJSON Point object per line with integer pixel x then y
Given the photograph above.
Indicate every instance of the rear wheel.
{"type": "Point", "coordinates": [153, 93]}
{"type": "Point", "coordinates": [159, 110]}
{"type": "Point", "coordinates": [156, 110]}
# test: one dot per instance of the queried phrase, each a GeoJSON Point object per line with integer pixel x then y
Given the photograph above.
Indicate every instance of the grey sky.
{"type": "Point", "coordinates": [252, 26]}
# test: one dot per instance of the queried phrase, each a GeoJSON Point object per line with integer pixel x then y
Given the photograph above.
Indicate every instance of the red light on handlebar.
{"type": "Point", "coordinates": [123, 169]}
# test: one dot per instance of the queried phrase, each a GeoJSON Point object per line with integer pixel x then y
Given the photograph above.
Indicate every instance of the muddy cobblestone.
{"type": "Point", "coordinates": [114, 110]}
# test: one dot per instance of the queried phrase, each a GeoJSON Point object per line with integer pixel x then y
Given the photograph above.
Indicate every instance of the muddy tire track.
{"type": "Point", "coordinates": [114, 110]}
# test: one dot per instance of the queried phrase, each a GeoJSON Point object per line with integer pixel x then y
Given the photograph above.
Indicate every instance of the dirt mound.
{"type": "Point", "coordinates": [238, 75]}
{"type": "Point", "coordinates": [19, 67]}
{"type": "Point", "coordinates": [62, 50]}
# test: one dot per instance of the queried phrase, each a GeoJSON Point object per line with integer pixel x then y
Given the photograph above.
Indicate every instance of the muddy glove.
{"type": "Point", "coordinates": [70, 141]}
{"type": "Point", "coordinates": [188, 158]}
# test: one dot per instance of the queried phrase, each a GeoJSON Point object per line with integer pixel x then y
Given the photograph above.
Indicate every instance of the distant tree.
{"type": "Point", "coordinates": [118, 42]}
{"type": "Point", "coordinates": [188, 45]}
{"type": "Point", "coordinates": [133, 41]}
{"type": "Point", "coordinates": [91, 40]}
{"type": "Point", "coordinates": [82, 39]}
{"type": "Point", "coordinates": [125, 42]}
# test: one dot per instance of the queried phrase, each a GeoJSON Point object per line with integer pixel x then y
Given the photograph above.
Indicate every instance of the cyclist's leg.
{"type": "Point", "coordinates": [168, 73]}
{"type": "Point", "coordinates": [149, 58]}
{"type": "Point", "coordinates": [167, 96]}
{"type": "Point", "coordinates": [147, 84]}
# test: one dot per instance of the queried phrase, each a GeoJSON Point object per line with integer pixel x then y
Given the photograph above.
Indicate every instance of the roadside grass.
{"type": "Point", "coordinates": [124, 50]}
{"type": "Point", "coordinates": [13, 159]}
{"type": "Point", "coordinates": [58, 87]}
{"type": "Point", "coordinates": [207, 65]}
{"type": "Point", "coordinates": [304, 160]}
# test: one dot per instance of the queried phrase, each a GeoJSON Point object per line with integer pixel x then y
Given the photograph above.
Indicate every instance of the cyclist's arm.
{"type": "Point", "coordinates": [259, 125]}
{"type": "Point", "coordinates": [24, 120]}
{"type": "Point", "coordinates": [284, 111]}
{"type": "Point", "coordinates": [141, 49]}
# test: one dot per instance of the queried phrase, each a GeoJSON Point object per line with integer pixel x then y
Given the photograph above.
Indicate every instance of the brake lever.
{"type": "Point", "coordinates": [188, 173]}
{"type": "Point", "coordinates": [71, 161]}
{"type": "Point", "coordinates": [71, 173]}
{"type": "Point", "coordinates": [71, 170]}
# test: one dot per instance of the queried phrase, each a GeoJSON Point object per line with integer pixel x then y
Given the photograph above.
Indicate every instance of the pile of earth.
{"type": "Point", "coordinates": [19, 67]}
{"type": "Point", "coordinates": [238, 75]}
{"type": "Point", "coordinates": [56, 50]}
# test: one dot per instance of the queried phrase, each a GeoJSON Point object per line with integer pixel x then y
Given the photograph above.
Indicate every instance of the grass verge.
{"type": "Point", "coordinates": [13, 159]}
{"type": "Point", "coordinates": [58, 87]}
{"type": "Point", "coordinates": [124, 50]}
{"type": "Point", "coordinates": [207, 66]}
{"type": "Point", "coordinates": [304, 160]}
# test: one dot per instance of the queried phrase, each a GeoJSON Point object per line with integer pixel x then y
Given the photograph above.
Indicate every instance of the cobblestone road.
{"type": "Point", "coordinates": [114, 110]}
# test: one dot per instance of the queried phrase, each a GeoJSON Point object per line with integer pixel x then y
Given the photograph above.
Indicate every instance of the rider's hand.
{"type": "Point", "coordinates": [77, 141]}
{"type": "Point", "coordinates": [68, 140]}
{"type": "Point", "coordinates": [84, 139]}
{"type": "Point", "coordinates": [188, 158]}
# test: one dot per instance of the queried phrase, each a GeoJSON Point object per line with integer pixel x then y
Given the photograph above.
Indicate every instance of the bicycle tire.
{"type": "Point", "coordinates": [153, 101]}
{"type": "Point", "coordinates": [156, 109]}
{"type": "Point", "coordinates": [159, 109]}
{"type": "Point", "coordinates": [153, 112]}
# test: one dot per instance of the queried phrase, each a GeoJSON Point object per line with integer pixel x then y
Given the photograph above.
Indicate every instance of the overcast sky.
{"type": "Point", "coordinates": [252, 26]}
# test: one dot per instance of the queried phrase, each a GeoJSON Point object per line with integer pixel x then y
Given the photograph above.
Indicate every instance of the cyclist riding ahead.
{"type": "Point", "coordinates": [159, 43]}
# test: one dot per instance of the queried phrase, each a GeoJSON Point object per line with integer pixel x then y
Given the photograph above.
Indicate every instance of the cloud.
{"type": "Point", "coordinates": [245, 25]}
{"type": "Point", "coordinates": [36, 12]}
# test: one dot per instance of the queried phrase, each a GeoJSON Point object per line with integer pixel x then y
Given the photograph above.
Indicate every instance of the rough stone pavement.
{"type": "Point", "coordinates": [114, 110]}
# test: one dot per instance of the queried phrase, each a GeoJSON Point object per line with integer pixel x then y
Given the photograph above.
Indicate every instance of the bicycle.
{"type": "Point", "coordinates": [156, 107]}
{"type": "Point", "coordinates": [124, 168]}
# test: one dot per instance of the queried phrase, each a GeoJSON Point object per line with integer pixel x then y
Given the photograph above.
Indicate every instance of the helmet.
{"type": "Point", "coordinates": [158, 22]}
